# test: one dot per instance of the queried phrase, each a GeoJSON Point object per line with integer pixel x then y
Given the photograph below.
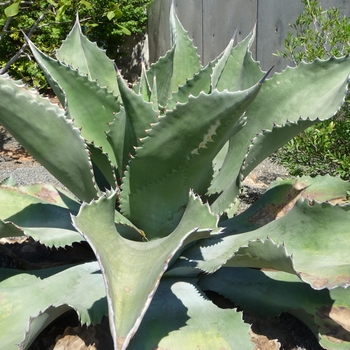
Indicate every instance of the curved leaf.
{"type": "Point", "coordinates": [129, 294]}
{"type": "Point", "coordinates": [193, 87]}
{"type": "Point", "coordinates": [195, 322]}
{"type": "Point", "coordinates": [180, 63]}
{"type": "Point", "coordinates": [89, 106]}
{"type": "Point", "coordinates": [317, 92]}
{"type": "Point", "coordinates": [130, 124]}
{"type": "Point", "coordinates": [80, 53]}
{"type": "Point", "coordinates": [309, 231]}
{"type": "Point", "coordinates": [177, 156]}
{"type": "Point", "coordinates": [269, 293]}
{"type": "Point", "coordinates": [104, 171]}
{"type": "Point", "coordinates": [62, 288]}
{"type": "Point", "coordinates": [42, 129]}
{"type": "Point", "coordinates": [236, 69]}
{"type": "Point", "coordinates": [162, 72]}
{"type": "Point", "coordinates": [268, 141]}
{"type": "Point", "coordinates": [40, 211]}
{"type": "Point", "coordinates": [186, 61]}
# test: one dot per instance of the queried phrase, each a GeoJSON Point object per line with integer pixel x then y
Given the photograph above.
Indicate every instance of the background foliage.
{"type": "Point", "coordinates": [48, 23]}
{"type": "Point", "coordinates": [325, 147]}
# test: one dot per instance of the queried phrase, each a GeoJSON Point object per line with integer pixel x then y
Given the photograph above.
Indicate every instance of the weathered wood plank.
{"type": "Point", "coordinates": [211, 23]}
{"type": "Point", "coordinates": [221, 18]}
{"type": "Point", "coordinates": [272, 28]}
{"type": "Point", "coordinates": [190, 14]}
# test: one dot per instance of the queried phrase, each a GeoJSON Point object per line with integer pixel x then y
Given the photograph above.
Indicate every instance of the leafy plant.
{"type": "Point", "coordinates": [158, 171]}
{"type": "Point", "coordinates": [324, 148]}
{"type": "Point", "coordinates": [49, 22]}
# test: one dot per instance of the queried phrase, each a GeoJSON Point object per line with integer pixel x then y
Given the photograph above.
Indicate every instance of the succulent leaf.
{"type": "Point", "coordinates": [53, 194]}
{"type": "Point", "coordinates": [273, 106]}
{"type": "Point", "coordinates": [129, 294]}
{"type": "Point", "coordinates": [35, 122]}
{"type": "Point", "coordinates": [193, 87]}
{"type": "Point", "coordinates": [268, 141]}
{"type": "Point", "coordinates": [180, 63]}
{"type": "Point", "coordinates": [130, 124]}
{"type": "Point", "coordinates": [143, 87]}
{"type": "Point", "coordinates": [269, 293]}
{"type": "Point", "coordinates": [263, 254]}
{"type": "Point", "coordinates": [226, 69]}
{"type": "Point", "coordinates": [154, 94]}
{"type": "Point", "coordinates": [236, 70]}
{"type": "Point", "coordinates": [40, 211]}
{"type": "Point", "coordinates": [122, 138]}
{"type": "Point", "coordinates": [195, 321]}
{"type": "Point", "coordinates": [320, 188]}
{"type": "Point", "coordinates": [89, 106]}
{"type": "Point", "coordinates": [8, 229]}
{"type": "Point", "coordinates": [78, 52]}
{"type": "Point", "coordinates": [186, 62]}
{"type": "Point", "coordinates": [104, 171]}
{"type": "Point", "coordinates": [163, 70]}
{"type": "Point", "coordinates": [220, 63]}
{"type": "Point", "coordinates": [138, 112]}
{"type": "Point", "coordinates": [183, 141]}
{"type": "Point", "coordinates": [61, 289]}
{"type": "Point", "coordinates": [303, 227]}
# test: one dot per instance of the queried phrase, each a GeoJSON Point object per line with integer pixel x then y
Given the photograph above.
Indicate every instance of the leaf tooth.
{"type": "Point", "coordinates": [210, 139]}
{"type": "Point", "coordinates": [142, 139]}
{"type": "Point", "coordinates": [311, 202]}
{"type": "Point", "coordinates": [195, 152]}
{"type": "Point", "coordinates": [265, 76]}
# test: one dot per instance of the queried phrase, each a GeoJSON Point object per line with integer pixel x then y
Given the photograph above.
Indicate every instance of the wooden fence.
{"type": "Point", "coordinates": [211, 24]}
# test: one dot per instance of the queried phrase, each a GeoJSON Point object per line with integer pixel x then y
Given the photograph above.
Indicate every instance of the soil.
{"type": "Point", "coordinates": [11, 152]}
{"type": "Point", "coordinates": [283, 332]}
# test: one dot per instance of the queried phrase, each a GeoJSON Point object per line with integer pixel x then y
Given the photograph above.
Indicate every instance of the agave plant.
{"type": "Point", "coordinates": [154, 174]}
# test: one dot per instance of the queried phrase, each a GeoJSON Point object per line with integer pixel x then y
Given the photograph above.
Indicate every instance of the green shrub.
{"type": "Point", "coordinates": [105, 22]}
{"type": "Point", "coordinates": [325, 147]}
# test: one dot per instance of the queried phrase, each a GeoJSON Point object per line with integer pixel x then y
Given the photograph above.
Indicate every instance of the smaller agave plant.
{"type": "Point", "coordinates": [154, 176]}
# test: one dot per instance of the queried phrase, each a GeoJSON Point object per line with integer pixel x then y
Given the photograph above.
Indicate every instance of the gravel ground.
{"type": "Point", "coordinates": [265, 173]}
{"type": "Point", "coordinates": [256, 183]}
{"type": "Point", "coordinates": [17, 163]}
{"type": "Point", "coordinates": [26, 174]}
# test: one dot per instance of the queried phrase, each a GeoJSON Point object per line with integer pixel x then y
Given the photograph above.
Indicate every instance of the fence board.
{"type": "Point", "coordinates": [211, 23]}
{"type": "Point", "coordinates": [220, 20]}
{"type": "Point", "coordinates": [272, 28]}
{"type": "Point", "coordinates": [158, 25]}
